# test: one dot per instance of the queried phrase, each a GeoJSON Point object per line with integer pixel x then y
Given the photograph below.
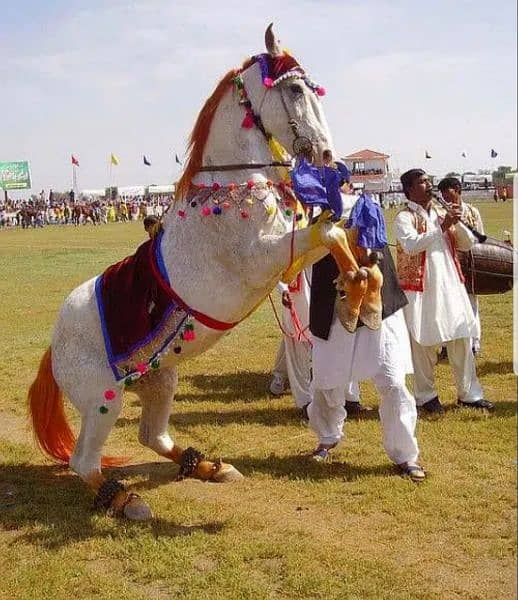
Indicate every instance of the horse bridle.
{"type": "Point", "coordinates": [301, 145]}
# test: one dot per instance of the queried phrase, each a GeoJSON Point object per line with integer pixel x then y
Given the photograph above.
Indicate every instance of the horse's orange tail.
{"type": "Point", "coordinates": [49, 421]}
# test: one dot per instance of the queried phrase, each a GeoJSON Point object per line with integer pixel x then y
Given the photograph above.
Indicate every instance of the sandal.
{"type": "Point", "coordinates": [414, 471]}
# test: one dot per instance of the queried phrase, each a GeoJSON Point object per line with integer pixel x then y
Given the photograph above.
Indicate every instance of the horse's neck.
{"type": "Point", "coordinates": [210, 264]}
{"type": "Point", "coordinates": [229, 143]}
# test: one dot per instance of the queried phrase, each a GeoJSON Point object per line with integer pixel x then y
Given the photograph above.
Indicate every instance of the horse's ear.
{"type": "Point", "coordinates": [272, 45]}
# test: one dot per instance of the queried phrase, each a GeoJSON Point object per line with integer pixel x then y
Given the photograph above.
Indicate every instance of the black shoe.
{"type": "Point", "coordinates": [433, 406]}
{"type": "Point", "coordinates": [442, 357]}
{"type": "Point", "coordinates": [480, 404]}
{"type": "Point", "coordinates": [355, 409]}
{"type": "Point", "coordinates": [303, 414]}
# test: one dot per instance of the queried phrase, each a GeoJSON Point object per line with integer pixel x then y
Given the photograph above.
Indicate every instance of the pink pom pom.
{"type": "Point", "coordinates": [244, 214]}
{"type": "Point", "coordinates": [232, 186]}
{"type": "Point", "coordinates": [181, 213]}
{"type": "Point", "coordinates": [268, 82]}
{"type": "Point", "coordinates": [109, 394]}
{"type": "Point", "coordinates": [189, 336]}
{"type": "Point", "coordinates": [321, 91]}
{"type": "Point", "coordinates": [205, 211]}
{"type": "Point", "coordinates": [216, 186]}
{"type": "Point", "coordinates": [142, 368]}
{"type": "Point", "coordinates": [226, 205]}
{"type": "Point", "coordinates": [250, 184]}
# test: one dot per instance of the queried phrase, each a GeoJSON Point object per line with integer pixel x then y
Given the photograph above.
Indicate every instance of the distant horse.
{"type": "Point", "coordinates": [226, 241]}
{"type": "Point", "coordinates": [84, 213]}
{"type": "Point", "coordinates": [27, 217]}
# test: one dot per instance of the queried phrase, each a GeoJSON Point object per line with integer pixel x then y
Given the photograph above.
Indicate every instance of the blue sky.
{"type": "Point", "coordinates": [91, 78]}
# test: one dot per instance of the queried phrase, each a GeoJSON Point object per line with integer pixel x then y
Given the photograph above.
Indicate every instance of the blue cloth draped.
{"type": "Point", "coordinates": [367, 216]}
{"type": "Point", "coordinates": [344, 171]}
{"type": "Point", "coordinates": [317, 186]}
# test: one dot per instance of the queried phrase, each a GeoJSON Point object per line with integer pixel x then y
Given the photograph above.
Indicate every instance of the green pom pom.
{"type": "Point", "coordinates": [103, 410]}
{"type": "Point", "coordinates": [128, 382]}
{"type": "Point", "coordinates": [288, 212]}
{"type": "Point", "coordinates": [155, 364]}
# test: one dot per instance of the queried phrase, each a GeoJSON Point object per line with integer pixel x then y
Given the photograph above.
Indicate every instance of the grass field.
{"type": "Point", "coordinates": [292, 528]}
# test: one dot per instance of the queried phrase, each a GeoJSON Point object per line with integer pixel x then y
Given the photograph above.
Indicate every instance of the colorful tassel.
{"type": "Point", "coordinates": [248, 121]}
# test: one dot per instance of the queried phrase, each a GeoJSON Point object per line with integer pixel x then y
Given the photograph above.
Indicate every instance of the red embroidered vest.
{"type": "Point", "coordinates": [410, 268]}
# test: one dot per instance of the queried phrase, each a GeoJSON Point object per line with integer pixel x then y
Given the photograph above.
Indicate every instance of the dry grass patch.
{"type": "Point", "coordinates": [292, 528]}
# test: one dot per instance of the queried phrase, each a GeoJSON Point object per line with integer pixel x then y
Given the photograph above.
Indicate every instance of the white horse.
{"type": "Point", "coordinates": [224, 248]}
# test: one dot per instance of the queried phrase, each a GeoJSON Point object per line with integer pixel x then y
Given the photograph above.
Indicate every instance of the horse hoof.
{"type": "Point", "coordinates": [137, 510]}
{"type": "Point", "coordinates": [227, 474]}
{"type": "Point", "coordinates": [347, 317]}
{"type": "Point", "coordinates": [374, 258]}
{"type": "Point", "coordinates": [371, 317]}
{"type": "Point", "coordinates": [362, 274]}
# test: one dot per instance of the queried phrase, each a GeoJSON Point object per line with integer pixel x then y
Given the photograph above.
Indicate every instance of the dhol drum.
{"type": "Point", "coordinates": [488, 267]}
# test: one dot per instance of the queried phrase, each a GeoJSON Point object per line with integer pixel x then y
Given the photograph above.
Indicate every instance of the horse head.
{"type": "Point", "coordinates": [284, 102]}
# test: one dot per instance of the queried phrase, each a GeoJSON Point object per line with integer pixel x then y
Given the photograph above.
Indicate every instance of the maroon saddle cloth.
{"type": "Point", "coordinates": [134, 310]}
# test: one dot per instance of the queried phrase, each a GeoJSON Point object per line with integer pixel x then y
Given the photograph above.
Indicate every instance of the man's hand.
{"type": "Point", "coordinates": [452, 217]}
{"type": "Point", "coordinates": [286, 300]}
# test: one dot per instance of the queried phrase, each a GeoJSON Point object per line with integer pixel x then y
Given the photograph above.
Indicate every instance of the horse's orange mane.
{"type": "Point", "coordinates": [201, 129]}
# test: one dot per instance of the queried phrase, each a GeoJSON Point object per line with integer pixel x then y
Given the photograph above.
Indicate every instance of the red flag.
{"type": "Point", "coordinates": [74, 160]}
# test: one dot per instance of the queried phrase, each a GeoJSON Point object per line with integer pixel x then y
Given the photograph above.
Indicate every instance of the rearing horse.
{"type": "Point", "coordinates": [226, 241]}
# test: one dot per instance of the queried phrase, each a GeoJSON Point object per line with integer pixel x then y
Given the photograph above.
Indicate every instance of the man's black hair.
{"type": "Point", "coordinates": [408, 178]}
{"type": "Point", "coordinates": [150, 220]}
{"type": "Point", "coordinates": [450, 183]}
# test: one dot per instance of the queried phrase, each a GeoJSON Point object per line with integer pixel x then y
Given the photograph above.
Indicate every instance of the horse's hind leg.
{"type": "Point", "coordinates": [87, 460]}
{"type": "Point", "coordinates": [156, 393]}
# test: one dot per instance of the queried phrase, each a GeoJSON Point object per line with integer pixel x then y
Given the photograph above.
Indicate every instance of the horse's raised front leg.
{"type": "Point", "coordinates": [156, 392]}
{"type": "Point", "coordinates": [353, 278]}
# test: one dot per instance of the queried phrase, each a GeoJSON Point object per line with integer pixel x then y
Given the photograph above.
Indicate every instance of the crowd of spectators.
{"type": "Point", "coordinates": [64, 209]}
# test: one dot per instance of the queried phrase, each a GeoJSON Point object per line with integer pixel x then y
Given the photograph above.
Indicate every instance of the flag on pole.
{"type": "Point", "coordinates": [494, 154]}
{"type": "Point", "coordinates": [427, 154]}
{"type": "Point", "coordinates": [146, 161]}
{"type": "Point", "coordinates": [177, 159]}
{"type": "Point", "coordinates": [114, 159]}
{"type": "Point", "coordinates": [464, 154]}
{"type": "Point", "coordinates": [74, 160]}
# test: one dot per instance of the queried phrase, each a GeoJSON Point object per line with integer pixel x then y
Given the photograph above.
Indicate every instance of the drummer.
{"type": "Point", "coordinates": [438, 312]}
{"type": "Point", "coordinates": [451, 189]}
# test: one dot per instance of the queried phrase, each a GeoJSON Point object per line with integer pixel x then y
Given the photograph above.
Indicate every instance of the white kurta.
{"type": "Point", "coordinates": [352, 357]}
{"type": "Point", "coordinates": [442, 311]}
{"type": "Point", "coordinates": [297, 349]}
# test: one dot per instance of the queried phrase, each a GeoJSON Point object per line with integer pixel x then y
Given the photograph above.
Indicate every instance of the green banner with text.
{"type": "Point", "coordinates": [15, 175]}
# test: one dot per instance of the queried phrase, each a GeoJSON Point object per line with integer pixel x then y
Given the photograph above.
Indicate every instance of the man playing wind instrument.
{"type": "Point", "coordinates": [439, 312]}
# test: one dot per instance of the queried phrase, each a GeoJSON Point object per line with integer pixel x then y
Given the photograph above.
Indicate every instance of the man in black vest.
{"type": "Point", "coordinates": [340, 358]}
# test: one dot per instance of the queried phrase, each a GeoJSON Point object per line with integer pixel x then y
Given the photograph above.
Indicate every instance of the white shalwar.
{"type": "Point", "coordinates": [382, 356]}
{"type": "Point", "coordinates": [440, 315]}
{"type": "Point", "coordinates": [295, 347]}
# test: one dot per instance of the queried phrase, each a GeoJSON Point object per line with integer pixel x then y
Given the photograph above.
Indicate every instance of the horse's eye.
{"type": "Point", "coordinates": [296, 89]}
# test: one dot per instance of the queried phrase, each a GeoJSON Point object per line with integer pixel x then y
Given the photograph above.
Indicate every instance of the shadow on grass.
{"type": "Point", "coordinates": [54, 508]}
{"type": "Point", "coordinates": [245, 386]}
{"type": "Point", "coordinates": [297, 467]}
{"type": "Point", "coordinates": [261, 416]}
{"type": "Point", "coordinates": [490, 367]}
{"type": "Point", "coordinates": [302, 467]}
{"type": "Point", "coordinates": [503, 408]}
{"type": "Point", "coordinates": [227, 387]}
